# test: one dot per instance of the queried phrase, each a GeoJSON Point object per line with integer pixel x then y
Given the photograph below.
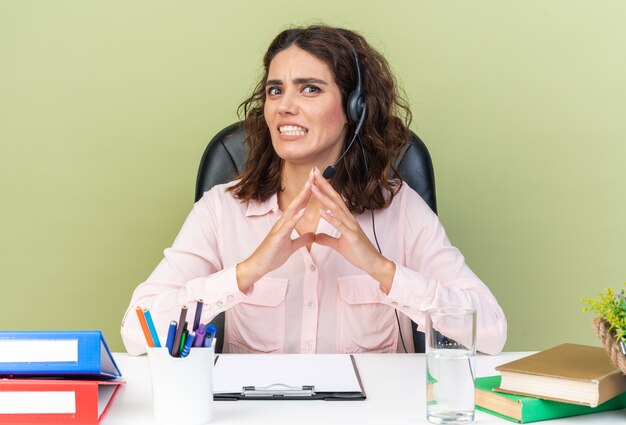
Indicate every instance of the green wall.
{"type": "Point", "coordinates": [106, 107]}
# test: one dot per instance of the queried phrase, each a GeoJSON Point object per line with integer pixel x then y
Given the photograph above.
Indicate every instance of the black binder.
{"type": "Point", "coordinates": [286, 391]}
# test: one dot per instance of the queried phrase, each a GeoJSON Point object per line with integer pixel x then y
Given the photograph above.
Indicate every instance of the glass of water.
{"type": "Point", "coordinates": [450, 365]}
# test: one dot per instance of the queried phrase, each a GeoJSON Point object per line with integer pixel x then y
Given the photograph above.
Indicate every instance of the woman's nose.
{"type": "Point", "coordinates": [288, 103]}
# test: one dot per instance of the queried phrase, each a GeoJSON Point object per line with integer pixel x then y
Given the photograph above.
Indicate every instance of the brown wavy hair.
{"type": "Point", "coordinates": [369, 185]}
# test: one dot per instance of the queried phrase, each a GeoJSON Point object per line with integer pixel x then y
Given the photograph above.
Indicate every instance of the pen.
{"type": "Point", "coordinates": [199, 340]}
{"type": "Point", "coordinates": [170, 336]}
{"type": "Point", "coordinates": [188, 342]}
{"type": "Point", "coordinates": [179, 331]}
{"type": "Point", "coordinates": [153, 332]}
{"type": "Point", "coordinates": [210, 334]}
{"type": "Point", "coordinates": [196, 320]}
{"type": "Point", "coordinates": [144, 326]}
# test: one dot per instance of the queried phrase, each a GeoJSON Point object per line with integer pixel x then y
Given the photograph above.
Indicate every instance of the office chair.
{"type": "Point", "coordinates": [226, 154]}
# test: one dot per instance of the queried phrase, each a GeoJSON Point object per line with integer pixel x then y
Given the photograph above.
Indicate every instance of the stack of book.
{"type": "Point", "coordinates": [55, 377]}
{"type": "Point", "coordinates": [566, 380]}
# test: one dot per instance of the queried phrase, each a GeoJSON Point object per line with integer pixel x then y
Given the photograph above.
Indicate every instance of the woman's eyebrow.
{"type": "Point", "coordinates": [307, 80]}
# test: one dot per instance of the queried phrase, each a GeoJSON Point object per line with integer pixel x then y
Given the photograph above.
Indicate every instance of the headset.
{"type": "Point", "coordinates": [356, 110]}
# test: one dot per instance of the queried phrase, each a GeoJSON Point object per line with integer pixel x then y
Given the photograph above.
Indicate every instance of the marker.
{"type": "Point", "coordinates": [196, 320]}
{"type": "Point", "coordinates": [199, 340]}
{"type": "Point", "coordinates": [183, 339]}
{"type": "Point", "coordinates": [187, 348]}
{"type": "Point", "coordinates": [179, 332]}
{"type": "Point", "coordinates": [170, 336]}
{"type": "Point", "coordinates": [144, 326]}
{"type": "Point", "coordinates": [153, 332]}
{"type": "Point", "coordinates": [210, 334]}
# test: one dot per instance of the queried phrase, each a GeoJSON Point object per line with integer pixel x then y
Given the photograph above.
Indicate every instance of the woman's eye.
{"type": "Point", "coordinates": [273, 91]}
{"type": "Point", "coordinates": [310, 89]}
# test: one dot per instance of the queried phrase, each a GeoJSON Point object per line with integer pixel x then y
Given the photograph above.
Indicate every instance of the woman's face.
{"type": "Point", "coordinates": [303, 109]}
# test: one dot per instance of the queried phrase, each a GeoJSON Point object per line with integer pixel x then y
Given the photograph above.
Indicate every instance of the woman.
{"type": "Point", "coordinates": [291, 256]}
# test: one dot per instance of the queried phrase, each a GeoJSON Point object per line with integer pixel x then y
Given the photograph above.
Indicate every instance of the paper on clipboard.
{"type": "Point", "coordinates": [325, 372]}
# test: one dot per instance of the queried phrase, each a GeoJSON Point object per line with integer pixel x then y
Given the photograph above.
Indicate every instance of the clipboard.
{"type": "Point", "coordinates": [330, 377]}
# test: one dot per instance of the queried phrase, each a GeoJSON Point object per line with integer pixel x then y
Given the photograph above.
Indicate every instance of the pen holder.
{"type": "Point", "coordinates": [182, 387]}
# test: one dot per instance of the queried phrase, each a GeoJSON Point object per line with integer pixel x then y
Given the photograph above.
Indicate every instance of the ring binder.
{"type": "Point", "coordinates": [76, 353]}
{"type": "Point", "coordinates": [278, 390]}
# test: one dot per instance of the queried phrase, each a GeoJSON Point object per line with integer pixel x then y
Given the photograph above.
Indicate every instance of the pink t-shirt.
{"type": "Point", "coordinates": [317, 302]}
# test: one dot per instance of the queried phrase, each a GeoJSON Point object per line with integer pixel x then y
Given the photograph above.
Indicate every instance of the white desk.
{"type": "Point", "coordinates": [394, 384]}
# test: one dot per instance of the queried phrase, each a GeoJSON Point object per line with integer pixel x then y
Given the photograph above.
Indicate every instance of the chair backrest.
{"type": "Point", "coordinates": [226, 154]}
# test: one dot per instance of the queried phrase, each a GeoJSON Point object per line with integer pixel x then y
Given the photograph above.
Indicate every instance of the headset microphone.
{"type": "Point", "coordinates": [330, 170]}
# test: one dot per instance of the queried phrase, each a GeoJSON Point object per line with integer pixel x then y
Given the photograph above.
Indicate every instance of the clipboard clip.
{"type": "Point", "coordinates": [279, 390]}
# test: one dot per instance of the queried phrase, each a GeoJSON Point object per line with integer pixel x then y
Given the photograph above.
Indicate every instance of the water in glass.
{"type": "Point", "coordinates": [450, 386]}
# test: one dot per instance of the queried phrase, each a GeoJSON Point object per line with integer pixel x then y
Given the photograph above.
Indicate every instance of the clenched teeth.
{"type": "Point", "coordinates": [292, 130]}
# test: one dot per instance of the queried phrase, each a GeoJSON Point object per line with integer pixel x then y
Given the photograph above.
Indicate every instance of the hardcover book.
{"type": "Point", "coordinates": [525, 409]}
{"type": "Point", "coordinates": [570, 373]}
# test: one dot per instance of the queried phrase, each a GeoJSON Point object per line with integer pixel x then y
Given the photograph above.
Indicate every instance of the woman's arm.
{"type": "Point", "coordinates": [435, 275]}
{"type": "Point", "coordinates": [191, 269]}
{"type": "Point", "coordinates": [194, 269]}
{"type": "Point", "coordinates": [430, 272]}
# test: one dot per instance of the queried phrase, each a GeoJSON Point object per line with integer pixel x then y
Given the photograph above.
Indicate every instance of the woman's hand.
{"type": "Point", "coordinates": [277, 246]}
{"type": "Point", "coordinates": [353, 243]}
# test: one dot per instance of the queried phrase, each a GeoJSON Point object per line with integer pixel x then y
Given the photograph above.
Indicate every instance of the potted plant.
{"type": "Point", "coordinates": [610, 325]}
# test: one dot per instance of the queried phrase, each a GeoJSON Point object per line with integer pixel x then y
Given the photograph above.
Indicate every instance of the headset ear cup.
{"type": "Point", "coordinates": [355, 106]}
